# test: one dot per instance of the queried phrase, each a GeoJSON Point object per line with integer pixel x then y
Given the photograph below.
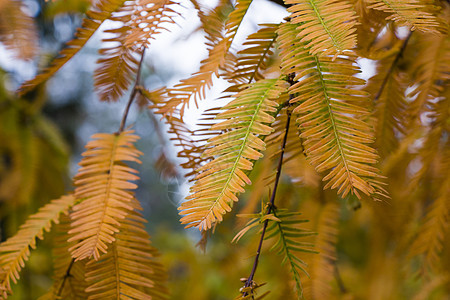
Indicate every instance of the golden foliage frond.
{"type": "Point", "coordinates": [190, 150]}
{"type": "Point", "coordinates": [235, 19]}
{"type": "Point", "coordinates": [370, 23]}
{"type": "Point", "coordinates": [199, 82]}
{"type": "Point", "coordinates": [412, 13]}
{"type": "Point", "coordinates": [95, 17]}
{"type": "Point", "coordinates": [325, 26]}
{"type": "Point", "coordinates": [426, 292]}
{"type": "Point", "coordinates": [285, 232]}
{"type": "Point", "coordinates": [288, 237]}
{"type": "Point", "coordinates": [196, 85]}
{"type": "Point", "coordinates": [431, 69]}
{"type": "Point", "coordinates": [116, 68]}
{"type": "Point", "coordinates": [68, 275]}
{"type": "Point", "coordinates": [149, 18]}
{"type": "Point", "coordinates": [322, 266]}
{"type": "Point", "coordinates": [201, 136]}
{"type": "Point", "coordinates": [213, 20]}
{"type": "Point", "coordinates": [390, 112]}
{"type": "Point", "coordinates": [435, 137]}
{"type": "Point", "coordinates": [179, 132]}
{"type": "Point", "coordinates": [430, 240]}
{"type": "Point", "coordinates": [331, 116]}
{"type": "Point", "coordinates": [103, 186]}
{"type": "Point", "coordinates": [222, 178]}
{"type": "Point", "coordinates": [218, 54]}
{"type": "Point", "coordinates": [140, 22]}
{"type": "Point", "coordinates": [17, 30]}
{"type": "Point", "coordinates": [254, 59]}
{"type": "Point", "coordinates": [129, 270]}
{"type": "Point", "coordinates": [16, 250]}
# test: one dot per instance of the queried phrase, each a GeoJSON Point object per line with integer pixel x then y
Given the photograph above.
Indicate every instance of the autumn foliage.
{"type": "Point", "coordinates": [343, 177]}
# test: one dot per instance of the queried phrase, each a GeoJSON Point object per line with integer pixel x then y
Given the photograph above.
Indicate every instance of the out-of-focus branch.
{"type": "Point", "coordinates": [279, 2]}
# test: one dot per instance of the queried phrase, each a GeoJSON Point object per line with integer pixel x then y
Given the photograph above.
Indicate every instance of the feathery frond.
{"type": "Point", "coordinates": [129, 270]}
{"type": "Point", "coordinates": [17, 30]}
{"type": "Point", "coordinates": [95, 17]}
{"type": "Point", "coordinates": [412, 13]}
{"type": "Point", "coordinates": [254, 59]}
{"type": "Point", "coordinates": [213, 20]}
{"type": "Point", "coordinates": [326, 27]}
{"type": "Point", "coordinates": [435, 137]}
{"type": "Point", "coordinates": [105, 191]}
{"type": "Point", "coordinates": [222, 178]}
{"type": "Point", "coordinates": [331, 116]}
{"type": "Point", "coordinates": [194, 156]}
{"type": "Point", "coordinates": [390, 112]}
{"type": "Point", "coordinates": [68, 275]}
{"type": "Point", "coordinates": [235, 19]}
{"type": "Point", "coordinates": [16, 250]}
{"type": "Point", "coordinates": [149, 18]}
{"type": "Point", "coordinates": [140, 22]}
{"type": "Point", "coordinates": [322, 266]}
{"type": "Point", "coordinates": [117, 67]}
{"type": "Point", "coordinates": [283, 228]}
{"type": "Point", "coordinates": [430, 240]}
{"type": "Point", "coordinates": [370, 24]}
{"type": "Point", "coordinates": [179, 132]}
{"type": "Point", "coordinates": [288, 236]}
{"type": "Point", "coordinates": [432, 70]}
{"type": "Point", "coordinates": [196, 85]}
{"type": "Point", "coordinates": [426, 292]}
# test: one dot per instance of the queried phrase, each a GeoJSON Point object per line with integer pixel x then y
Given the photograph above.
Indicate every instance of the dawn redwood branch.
{"type": "Point", "coordinates": [271, 205]}
{"type": "Point", "coordinates": [132, 95]}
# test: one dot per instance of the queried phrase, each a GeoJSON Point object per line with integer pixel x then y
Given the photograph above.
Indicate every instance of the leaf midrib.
{"type": "Point", "coordinates": [288, 255]}
{"type": "Point", "coordinates": [241, 150]}
{"type": "Point", "coordinates": [117, 269]}
{"type": "Point", "coordinates": [410, 21]}
{"type": "Point", "coordinates": [261, 59]}
{"type": "Point", "coordinates": [324, 25]}
{"type": "Point", "coordinates": [333, 123]}
{"type": "Point", "coordinates": [108, 190]}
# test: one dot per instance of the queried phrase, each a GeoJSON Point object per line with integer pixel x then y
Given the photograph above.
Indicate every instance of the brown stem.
{"type": "Point", "coordinates": [67, 275]}
{"type": "Point", "coordinates": [133, 94]}
{"type": "Point", "coordinates": [157, 128]}
{"type": "Point", "coordinates": [271, 206]}
{"type": "Point", "coordinates": [279, 2]}
{"type": "Point", "coordinates": [338, 278]}
{"type": "Point", "coordinates": [393, 65]}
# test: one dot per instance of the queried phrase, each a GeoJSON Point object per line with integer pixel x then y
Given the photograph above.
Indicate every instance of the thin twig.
{"type": "Point", "coordinates": [67, 275]}
{"type": "Point", "coordinates": [271, 206]}
{"type": "Point", "coordinates": [391, 69]}
{"type": "Point", "coordinates": [133, 94]}
{"type": "Point", "coordinates": [155, 123]}
{"type": "Point", "coordinates": [338, 278]}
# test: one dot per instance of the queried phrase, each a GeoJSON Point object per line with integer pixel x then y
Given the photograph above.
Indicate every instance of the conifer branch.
{"type": "Point", "coordinates": [271, 205]}
{"type": "Point", "coordinates": [133, 93]}
{"type": "Point", "coordinates": [67, 275]}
